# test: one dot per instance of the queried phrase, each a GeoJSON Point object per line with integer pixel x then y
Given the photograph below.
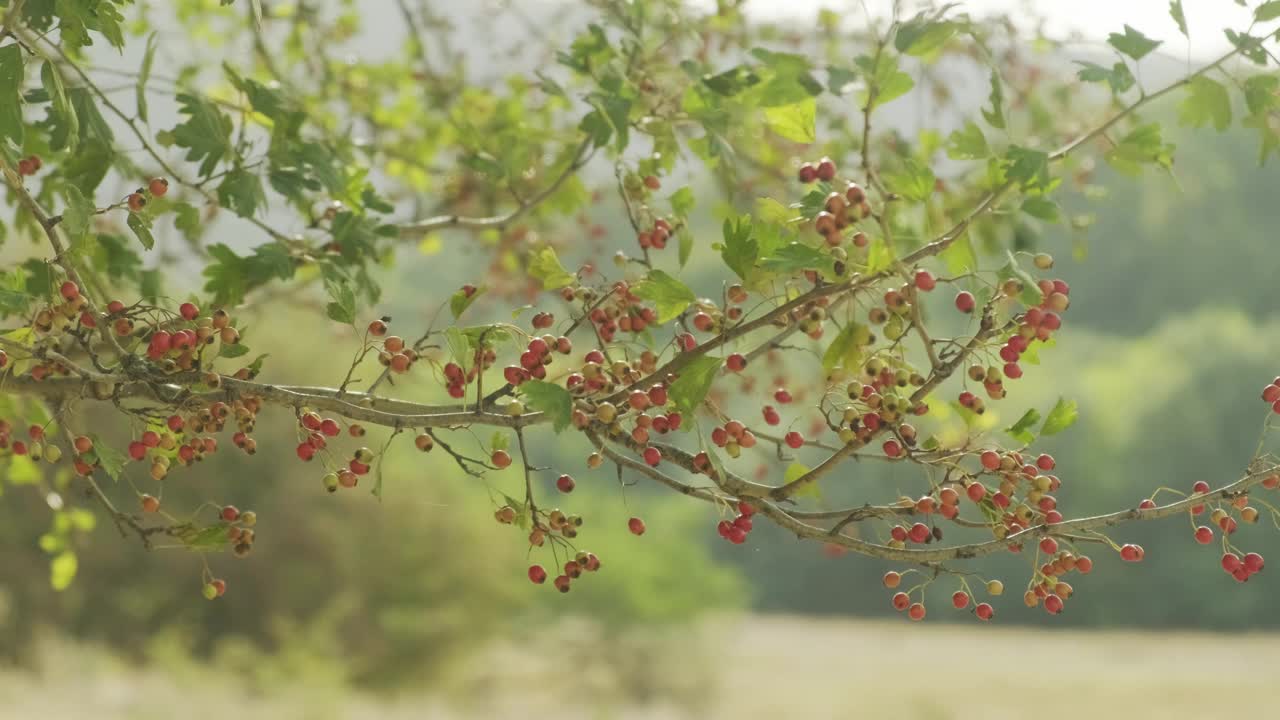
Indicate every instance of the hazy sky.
{"type": "Point", "coordinates": [1093, 18]}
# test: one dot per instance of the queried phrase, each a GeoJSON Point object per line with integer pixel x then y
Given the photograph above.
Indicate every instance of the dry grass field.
{"type": "Point", "coordinates": [746, 667]}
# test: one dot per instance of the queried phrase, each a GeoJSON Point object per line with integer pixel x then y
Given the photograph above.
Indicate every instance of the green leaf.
{"type": "Point", "coordinates": [1062, 416]}
{"type": "Point", "coordinates": [1260, 93]}
{"type": "Point", "coordinates": [545, 267]}
{"type": "Point", "coordinates": [669, 296]}
{"type": "Point", "coordinates": [551, 399]}
{"type": "Point", "coordinates": [1249, 46]}
{"type": "Point", "coordinates": [732, 81]}
{"type": "Point", "coordinates": [913, 181]}
{"type": "Point", "coordinates": [791, 79]}
{"type": "Point", "coordinates": [740, 248]}
{"type": "Point", "coordinates": [241, 192]}
{"type": "Point", "coordinates": [62, 570]}
{"type": "Point", "coordinates": [22, 470]}
{"type": "Point", "coordinates": [846, 347]}
{"type": "Point", "coordinates": [1118, 76]}
{"type": "Point", "coordinates": [794, 472]}
{"type": "Point", "coordinates": [959, 256]}
{"type": "Point", "coordinates": [78, 213]}
{"type": "Point", "coordinates": [879, 256]}
{"type": "Point", "coordinates": [995, 116]}
{"type": "Point", "coordinates": [1029, 168]}
{"type": "Point", "coordinates": [11, 93]}
{"type": "Point", "coordinates": [691, 388]}
{"type": "Point", "coordinates": [1179, 17]}
{"type": "Point", "coordinates": [187, 220]}
{"type": "Point", "coordinates": [1042, 208]}
{"type": "Point", "coordinates": [111, 459]}
{"type": "Point", "coordinates": [78, 17]}
{"type": "Point", "coordinates": [233, 351]}
{"type": "Point", "coordinates": [794, 122]}
{"type": "Point", "coordinates": [885, 82]}
{"type": "Point", "coordinates": [460, 301]}
{"type": "Point", "coordinates": [1207, 102]}
{"type": "Point", "coordinates": [682, 203]}
{"type": "Point", "coordinates": [920, 36]}
{"type": "Point", "coordinates": [206, 133]}
{"type": "Point", "coordinates": [1132, 43]}
{"type": "Point", "coordinates": [460, 347]}
{"type": "Point", "coordinates": [1021, 430]}
{"type": "Point", "coordinates": [141, 228]}
{"type": "Point", "coordinates": [967, 143]}
{"type": "Point", "coordinates": [1267, 11]}
{"type": "Point", "coordinates": [840, 80]}
{"type": "Point", "coordinates": [144, 74]}
{"type": "Point", "coordinates": [66, 131]}
{"type": "Point", "coordinates": [1142, 146]}
{"type": "Point", "coordinates": [343, 306]}
{"type": "Point", "coordinates": [796, 257]}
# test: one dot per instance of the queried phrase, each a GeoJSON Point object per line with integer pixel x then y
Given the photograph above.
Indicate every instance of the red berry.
{"type": "Point", "coordinates": [1132, 553]}
{"type": "Point", "coordinates": [781, 396]}
{"type": "Point", "coordinates": [136, 202]}
{"type": "Point", "coordinates": [916, 611]}
{"type": "Point", "coordinates": [636, 526]}
{"type": "Point", "coordinates": [892, 579]}
{"type": "Point", "coordinates": [83, 444]}
{"type": "Point", "coordinates": [826, 169]}
{"type": "Point", "coordinates": [69, 290]}
{"type": "Point", "coordinates": [1231, 561]}
{"type": "Point", "coordinates": [960, 599]}
{"type": "Point", "coordinates": [1253, 562]}
{"type": "Point", "coordinates": [652, 456]}
{"type": "Point", "coordinates": [925, 280]}
{"type": "Point", "coordinates": [230, 513]}
{"type": "Point", "coordinates": [1200, 487]}
{"type": "Point", "coordinates": [537, 575]}
{"type": "Point", "coordinates": [736, 362]}
{"type": "Point", "coordinates": [794, 440]}
{"type": "Point", "coordinates": [900, 601]}
{"type": "Point", "coordinates": [1045, 462]}
{"type": "Point", "coordinates": [1271, 393]}
{"type": "Point", "coordinates": [771, 415]}
{"type": "Point", "coordinates": [976, 491]}
{"type": "Point", "coordinates": [137, 450]}
{"type": "Point", "coordinates": [1204, 535]}
{"type": "Point", "coordinates": [1049, 546]}
{"type": "Point", "coordinates": [965, 301]}
{"type": "Point", "coordinates": [991, 460]}
{"type": "Point", "coordinates": [189, 311]}
{"type": "Point", "coordinates": [500, 459]}
{"type": "Point", "coordinates": [892, 448]}
{"type": "Point", "coordinates": [1053, 604]}
{"type": "Point", "coordinates": [564, 484]}
{"type": "Point", "coordinates": [984, 611]}
{"type": "Point", "coordinates": [158, 186]}
{"type": "Point", "coordinates": [1084, 565]}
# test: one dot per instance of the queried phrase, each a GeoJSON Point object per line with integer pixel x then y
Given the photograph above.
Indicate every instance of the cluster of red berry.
{"type": "Point", "coordinates": [29, 165]}
{"type": "Point", "coordinates": [156, 187]}
{"type": "Point", "coordinates": [394, 353]}
{"type": "Point", "coordinates": [737, 529]}
{"type": "Point", "coordinates": [1054, 592]}
{"type": "Point", "coordinates": [39, 449]}
{"type": "Point", "coordinates": [536, 357]}
{"type": "Point", "coordinates": [573, 569]}
{"type": "Point", "coordinates": [1271, 394]}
